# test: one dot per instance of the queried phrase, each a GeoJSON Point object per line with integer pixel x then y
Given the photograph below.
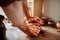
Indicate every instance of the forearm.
{"type": "Point", "coordinates": [25, 8]}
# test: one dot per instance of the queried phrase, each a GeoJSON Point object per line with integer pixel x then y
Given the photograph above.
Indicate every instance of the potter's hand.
{"type": "Point", "coordinates": [32, 30]}
{"type": "Point", "coordinates": [36, 20]}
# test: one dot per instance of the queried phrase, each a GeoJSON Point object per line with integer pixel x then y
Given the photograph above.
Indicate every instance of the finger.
{"type": "Point", "coordinates": [33, 30]}
{"type": "Point", "coordinates": [37, 18]}
{"type": "Point", "coordinates": [38, 28]}
{"type": "Point", "coordinates": [37, 24]}
{"type": "Point", "coordinates": [37, 21]}
{"type": "Point", "coordinates": [33, 33]}
{"type": "Point", "coordinates": [33, 26]}
{"type": "Point", "coordinates": [37, 31]}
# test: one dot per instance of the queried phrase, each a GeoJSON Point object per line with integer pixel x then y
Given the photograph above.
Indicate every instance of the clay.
{"type": "Point", "coordinates": [58, 25]}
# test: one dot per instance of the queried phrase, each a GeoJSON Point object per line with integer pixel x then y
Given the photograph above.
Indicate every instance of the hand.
{"type": "Point", "coordinates": [36, 20]}
{"type": "Point", "coordinates": [33, 26]}
{"type": "Point", "coordinates": [32, 30]}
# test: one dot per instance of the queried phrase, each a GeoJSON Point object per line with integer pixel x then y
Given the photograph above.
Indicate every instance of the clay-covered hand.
{"type": "Point", "coordinates": [36, 20]}
{"type": "Point", "coordinates": [32, 30]}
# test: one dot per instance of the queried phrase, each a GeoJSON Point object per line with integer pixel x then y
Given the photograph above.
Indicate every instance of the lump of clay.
{"type": "Point", "coordinates": [58, 25]}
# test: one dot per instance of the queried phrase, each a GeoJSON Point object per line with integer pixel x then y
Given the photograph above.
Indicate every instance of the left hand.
{"type": "Point", "coordinates": [35, 20]}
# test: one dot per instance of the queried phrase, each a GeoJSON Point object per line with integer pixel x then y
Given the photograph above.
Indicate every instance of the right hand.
{"type": "Point", "coordinates": [32, 30]}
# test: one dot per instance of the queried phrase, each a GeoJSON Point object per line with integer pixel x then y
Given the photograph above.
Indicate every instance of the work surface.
{"type": "Point", "coordinates": [14, 33]}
